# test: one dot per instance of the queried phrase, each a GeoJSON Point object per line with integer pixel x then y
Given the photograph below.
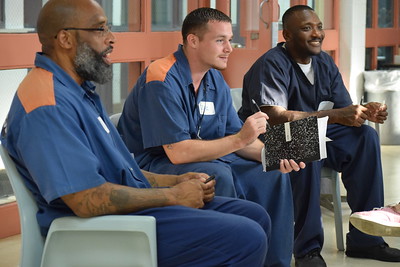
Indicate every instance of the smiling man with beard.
{"type": "Point", "coordinates": [75, 163]}
{"type": "Point", "coordinates": [295, 80]}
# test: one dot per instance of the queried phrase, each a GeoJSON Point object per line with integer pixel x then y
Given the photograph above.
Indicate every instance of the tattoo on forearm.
{"type": "Point", "coordinates": [119, 198]}
{"type": "Point", "coordinates": [110, 200]}
{"type": "Point", "coordinates": [94, 202]}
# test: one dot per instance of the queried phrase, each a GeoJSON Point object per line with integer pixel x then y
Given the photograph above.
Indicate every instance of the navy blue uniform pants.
{"type": "Point", "coordinates": [355, 152]}
{"type": "Point", "coordinates": [238, 177]}
{"type": "Point", "coordinates": [225, 232]}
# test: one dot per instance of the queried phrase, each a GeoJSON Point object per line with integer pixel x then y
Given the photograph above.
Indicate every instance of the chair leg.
{"type": "Point", "coordinates": [337, 205]}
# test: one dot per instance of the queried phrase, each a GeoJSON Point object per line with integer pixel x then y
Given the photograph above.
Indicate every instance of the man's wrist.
{"type": "Point", "coordinates": [239, 142]}
{"type": "Point", "coordinates": [171, 196]}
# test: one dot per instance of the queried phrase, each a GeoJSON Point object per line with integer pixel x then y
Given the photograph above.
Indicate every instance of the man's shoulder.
{"type": "Point", "coordinates": [274, 57]}
{"type": "Point", "coordinates": [37, 90]}
{"type": "Point", "coordinates": [324, 58]}
{"type": "Point", "coordinates": [158, 70]}
{"type": "Point", "coordinates": [325, 61]}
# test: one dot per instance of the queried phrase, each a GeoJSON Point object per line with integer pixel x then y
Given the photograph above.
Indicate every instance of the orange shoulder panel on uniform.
{"type": "Point", "coordinates": [37, 90]}
{"type": "Point", "coordinates": [157, 70]}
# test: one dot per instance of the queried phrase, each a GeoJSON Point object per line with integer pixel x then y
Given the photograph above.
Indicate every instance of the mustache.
{"type": "Point", "coordinates": [108, 50]}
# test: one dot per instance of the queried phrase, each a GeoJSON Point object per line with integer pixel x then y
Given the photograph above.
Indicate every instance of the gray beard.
{"type": "Point", "coordinates": [89, 65]}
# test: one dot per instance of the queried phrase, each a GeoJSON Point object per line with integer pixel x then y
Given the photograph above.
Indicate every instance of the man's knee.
{"type": "Point", "coordinates": [257, 213]}
{"type": "Point", "coordinates": [369, 139]}
{"type": "Point", "coordinates": [369, 132]}
{"type": "Point", "coordinates": [249, 242]}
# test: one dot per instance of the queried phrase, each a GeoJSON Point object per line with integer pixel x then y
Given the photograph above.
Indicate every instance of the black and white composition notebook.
{"type": "Point", "coordinates": [302, 140]}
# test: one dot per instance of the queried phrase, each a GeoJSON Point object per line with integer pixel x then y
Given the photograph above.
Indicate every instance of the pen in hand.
{"type": "Point", "coordinates": [212, 177]}
{"type": "Point", "coordinates": [258, 108]}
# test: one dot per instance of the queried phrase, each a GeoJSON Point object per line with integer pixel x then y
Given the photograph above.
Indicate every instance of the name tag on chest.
{"type": "Point", "coordinates": [206, 108]}
{"type": "Point", "coordinates": [103, 124]}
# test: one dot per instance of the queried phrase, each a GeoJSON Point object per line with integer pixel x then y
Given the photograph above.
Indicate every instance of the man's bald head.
{"type": "Point", "coordinates": [58, 14]}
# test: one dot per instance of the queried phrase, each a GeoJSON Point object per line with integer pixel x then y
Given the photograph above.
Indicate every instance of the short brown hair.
{"type": "Point", "coordinates": [196, 21]}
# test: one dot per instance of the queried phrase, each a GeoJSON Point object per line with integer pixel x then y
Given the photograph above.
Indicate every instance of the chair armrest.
{"type": "Point", "coordinates": [104, 223]}
{"type": "Point", "coordinates": [111, 240]}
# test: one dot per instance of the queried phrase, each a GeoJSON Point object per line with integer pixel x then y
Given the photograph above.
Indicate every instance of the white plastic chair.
{"type": "Point", "coordinates": [115, 118]}
{"type": "Point", "coordinates": [333, 176]}
{"type": "Point", "coordinates": [113, 240]}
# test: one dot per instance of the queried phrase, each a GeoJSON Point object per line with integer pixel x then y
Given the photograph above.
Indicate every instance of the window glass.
{"type": "Point", "coordinates": [6, 192]}
{"type": "Point", "coordinates": [369, 14]}
{"type": "Point", "coordinates": [123, 14]}
{"type": "Point", "coordinates": [213, 3]}
{"type": "Point", "coordinates": [385, 56]}
{"type": "Point", "coordinates": [114, 93]}
{"type": "Point", "coordinates": [283, 6]}
{"type": "Point", "coordinates": [240, 28]}
{"type": "Point", "coordinates": [11, 19]}
{"type": "Point", "coordinates": [2, 19]}
{"type": "Point", "coordinates": [31, 12]}
{"type": "Point", "coordinates": [385, 13]}
{"type": "Point", "coordinates": [368, 58]}
{"type": "Point", "coordinates": [167, 15]}
{"type": "Point", "coordinates": [324, 9]}
{"type": "Point", "coordinates": [9, 82]}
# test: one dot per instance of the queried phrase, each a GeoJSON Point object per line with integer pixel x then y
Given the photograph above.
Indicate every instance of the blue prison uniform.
{"type": "Point", "coordinates": [275, 79]}
{"type": "Point", "coordinates": [163, 109]}
{"type": "Point", "coordinates": [63, 142]}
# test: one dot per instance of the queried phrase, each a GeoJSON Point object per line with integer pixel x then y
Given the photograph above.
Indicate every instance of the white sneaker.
{"type": "Point", "coordinates": [379, 222]}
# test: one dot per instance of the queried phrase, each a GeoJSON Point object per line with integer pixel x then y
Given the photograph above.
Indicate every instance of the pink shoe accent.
{"type": "Point", "coordinates": [380, 222]}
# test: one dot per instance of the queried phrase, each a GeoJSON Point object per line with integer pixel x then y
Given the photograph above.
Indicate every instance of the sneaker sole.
{"type": "Point", "coordinates": [374, 228]}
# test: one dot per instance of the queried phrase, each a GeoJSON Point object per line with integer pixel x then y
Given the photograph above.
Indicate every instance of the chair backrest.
{"type": "Point", "coordinates": [32, 240]}
{"type": "Point", "coordinates": [115, 118]}
{"type": "Point", "coordinates": [236, 94]}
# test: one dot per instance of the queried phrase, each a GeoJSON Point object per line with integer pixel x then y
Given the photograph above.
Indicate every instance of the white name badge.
{"type": "Point", "coordinates": [206, 108]}
{"type": "Point", "coordinates": [103, 124]}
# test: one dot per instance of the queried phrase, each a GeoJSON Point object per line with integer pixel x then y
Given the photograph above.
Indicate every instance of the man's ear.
{"type": "Point", "coordinates": [286, 35]}
{"type": "Point", "coordinates": [65, 39]}
{"type": "Point", "coordinates": [192, 40]}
